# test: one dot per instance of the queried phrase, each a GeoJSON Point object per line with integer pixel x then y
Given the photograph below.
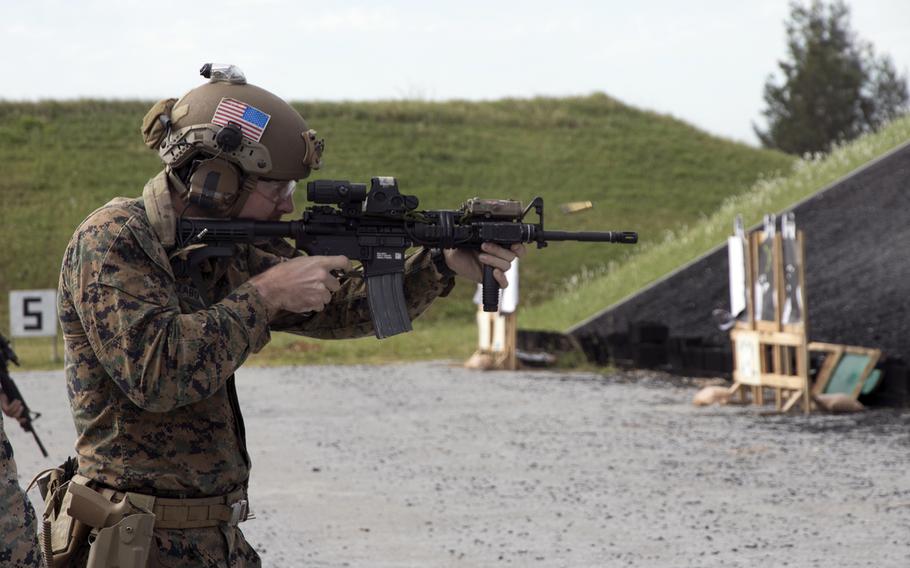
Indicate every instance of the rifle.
{"type": "Point", "coordinates": [9, 388]}
{"type": "Point", "coordinates": [376, 227]}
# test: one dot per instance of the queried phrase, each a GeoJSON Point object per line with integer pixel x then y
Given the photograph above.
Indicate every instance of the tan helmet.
{"type": "Point", "coordinates": [221, 137]}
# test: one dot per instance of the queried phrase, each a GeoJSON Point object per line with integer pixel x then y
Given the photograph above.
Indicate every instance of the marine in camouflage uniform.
{"type": "Point", "coordinates": [18, 530]}
{"type": "Point", "coordinates": [148, 364]}
{"type": "Point", "coordinates": [149, 360]}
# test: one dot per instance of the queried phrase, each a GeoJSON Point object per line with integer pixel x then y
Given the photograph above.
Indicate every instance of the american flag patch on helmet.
{"type": "Point", "coordinates": [251, 120]}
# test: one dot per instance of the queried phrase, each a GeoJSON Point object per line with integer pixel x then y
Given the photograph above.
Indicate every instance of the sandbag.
{"type": "Point", "coordinates": [838, 403]}
{"type": "Point", "coordinates": [711, 395]}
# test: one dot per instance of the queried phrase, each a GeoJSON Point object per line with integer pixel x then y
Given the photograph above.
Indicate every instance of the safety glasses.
{"type": "Point", "coordinates": [275, 191]}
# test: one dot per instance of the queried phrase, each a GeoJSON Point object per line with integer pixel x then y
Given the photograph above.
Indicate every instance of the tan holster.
{"type": "Point", "coordinates": [118, 526]}
{"type": "Point", "coordinates": [121, 535]}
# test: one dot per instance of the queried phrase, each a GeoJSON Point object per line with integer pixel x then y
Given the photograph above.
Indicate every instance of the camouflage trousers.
{"type": "Point", "coordinates": [18, 528]}
{"type": "Point", "coordinates": [217, 547]}
{"type": "Point", "coordinates": [210, 548]}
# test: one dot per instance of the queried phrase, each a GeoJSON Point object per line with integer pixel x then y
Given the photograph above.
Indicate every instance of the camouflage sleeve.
{"type": "Point", "coordinates": [348, 314]}
{"type": "Point", "coordinates": [128, 306]}
{"type": "Point", "coordinates": [18, 529]}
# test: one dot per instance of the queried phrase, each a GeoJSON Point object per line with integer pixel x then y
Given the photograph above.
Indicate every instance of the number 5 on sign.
{"type": "Point", "coordinates": [33, 313]}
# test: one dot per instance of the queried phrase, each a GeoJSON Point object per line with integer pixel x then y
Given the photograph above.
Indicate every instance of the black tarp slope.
{"type": "Point", "coordinates": [857, 236]}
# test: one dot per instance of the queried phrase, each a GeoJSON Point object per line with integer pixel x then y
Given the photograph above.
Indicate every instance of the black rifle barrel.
{"type": "Point", "coordinates": [622, 237]}
{"type": "Point", "coordinates": [38, 441]}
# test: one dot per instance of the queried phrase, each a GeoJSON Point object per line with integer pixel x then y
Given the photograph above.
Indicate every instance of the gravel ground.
{"type": "Point", "coordinates": [432, 465]}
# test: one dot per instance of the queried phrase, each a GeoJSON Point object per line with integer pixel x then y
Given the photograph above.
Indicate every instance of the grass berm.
{"type": "Point", "coordinates": [643, 171]}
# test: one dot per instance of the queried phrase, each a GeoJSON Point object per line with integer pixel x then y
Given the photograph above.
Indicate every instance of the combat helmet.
{"type": "Point", "coordinates": [220, 138]}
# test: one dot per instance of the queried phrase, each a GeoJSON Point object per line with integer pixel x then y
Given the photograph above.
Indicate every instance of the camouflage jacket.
{"type": "Point", "coordinates": [18, 528]}
{"type": "Point", "coordinates": [149, 366]}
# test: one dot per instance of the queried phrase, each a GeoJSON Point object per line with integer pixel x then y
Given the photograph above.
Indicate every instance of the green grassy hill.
{"type": "Point", "coordinates": [658, 258]}
{"type": "Point", "coordinates": [643, 171]}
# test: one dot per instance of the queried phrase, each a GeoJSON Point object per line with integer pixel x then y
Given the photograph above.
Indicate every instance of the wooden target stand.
{"type": "Point", "coordinates": [497, 337]}
{"type": "Point", "coordinates": [768, 353]}
{"type": "Point", "coordinates": [497, 340]}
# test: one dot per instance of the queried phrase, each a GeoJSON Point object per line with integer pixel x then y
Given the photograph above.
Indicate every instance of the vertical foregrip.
{"type": "Point", "coordinates": [388, 308]}
{"type": "Point", "coordinates": [490, 290]}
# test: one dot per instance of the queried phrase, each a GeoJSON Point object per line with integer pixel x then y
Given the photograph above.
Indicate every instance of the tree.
{"type": "Point", "coordinates": [834, 86]}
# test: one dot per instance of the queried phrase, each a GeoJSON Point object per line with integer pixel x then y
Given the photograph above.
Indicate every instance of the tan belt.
{"type": "Point", "coordinates": [203, 512]}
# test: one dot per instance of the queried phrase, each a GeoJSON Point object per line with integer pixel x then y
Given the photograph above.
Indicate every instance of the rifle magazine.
{"type": "Point", "coordinates": [388, 307]}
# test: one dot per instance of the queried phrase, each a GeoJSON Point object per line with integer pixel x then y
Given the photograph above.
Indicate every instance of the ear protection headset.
{"type": "Point", "coordinates": [219, 185]}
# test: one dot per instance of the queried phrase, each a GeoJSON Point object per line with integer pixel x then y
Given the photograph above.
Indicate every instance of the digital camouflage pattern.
{"type": "Point", "coordinates": [204, 548]}
{"type": "Point", "coordinates": [18, 529]}
{"type": "Point", "coordinates": [148, 364]}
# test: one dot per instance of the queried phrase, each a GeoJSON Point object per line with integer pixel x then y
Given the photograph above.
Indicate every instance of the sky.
{"type": "Point", "coordinates": [703, 61]}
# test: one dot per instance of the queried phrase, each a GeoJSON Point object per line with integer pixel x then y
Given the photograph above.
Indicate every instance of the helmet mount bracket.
{"type": "Point", "coordinates": [230, 137]}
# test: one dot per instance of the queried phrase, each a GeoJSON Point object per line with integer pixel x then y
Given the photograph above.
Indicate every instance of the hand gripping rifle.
{"type": "Point", "coordinates": [376, 227]}
{"type": "Point", "coordinates": [12, 393]}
